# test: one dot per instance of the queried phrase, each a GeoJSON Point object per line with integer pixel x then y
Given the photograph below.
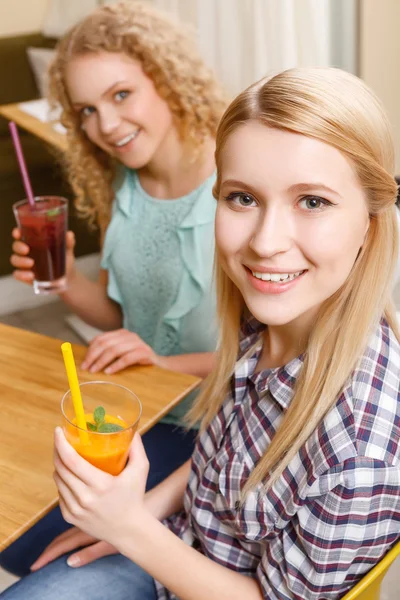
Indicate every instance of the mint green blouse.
{"type": "Point", "coordinates": [159, 258]}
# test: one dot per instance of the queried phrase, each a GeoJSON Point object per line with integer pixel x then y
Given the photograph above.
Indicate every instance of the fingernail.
{"type": "Point", "coordinates": [73, 561]}
{"type": "Point", "coordinates": [108, 371]}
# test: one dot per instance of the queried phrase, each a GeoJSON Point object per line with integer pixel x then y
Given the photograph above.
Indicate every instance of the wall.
{"type": "Point", "coordinates": [21, 16]}
{"type": "Point", "coordinates": [379, 45]}
{"type": "Point", "coordinates": [380, 57]}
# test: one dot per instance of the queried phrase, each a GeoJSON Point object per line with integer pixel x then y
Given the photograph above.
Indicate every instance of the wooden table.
{"type": "Point", "coordinates": [32, 383]}
{"type": "Point", "coordinates": [44, 131]}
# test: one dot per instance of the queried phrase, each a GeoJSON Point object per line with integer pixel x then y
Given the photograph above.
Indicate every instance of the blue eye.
{"type": "Point", "coordinates": [241, 200]}
{"type": "Point", "coordinates": [119, 96]}
{"type": "Point", "coordinates": [314, 203]}
{"type": "Point", "coordinates": [87, 111]}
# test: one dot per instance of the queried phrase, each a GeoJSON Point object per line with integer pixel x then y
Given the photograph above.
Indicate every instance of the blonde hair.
{"type": "Point", "coordinates": [336, 108]}
{"type": "Point", "coordinates": [167, 57]}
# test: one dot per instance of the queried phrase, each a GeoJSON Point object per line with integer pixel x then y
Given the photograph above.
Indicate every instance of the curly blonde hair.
{"type": "Point", "coordinates": [168, 58]}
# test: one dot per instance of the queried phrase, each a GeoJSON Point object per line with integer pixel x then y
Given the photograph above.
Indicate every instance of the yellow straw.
{"type": "Point", "coordinates": [75, 390]}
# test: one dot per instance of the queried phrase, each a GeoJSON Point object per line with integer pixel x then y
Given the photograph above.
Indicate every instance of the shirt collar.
{"type": "Point", "coordinates": [249, 333]}
{"type": "Point", "coordinates": [200, 214]}
{"type": "Point", "coordinates": [279, 382]}
{"type": "Point", "coordinates": [124, 186]}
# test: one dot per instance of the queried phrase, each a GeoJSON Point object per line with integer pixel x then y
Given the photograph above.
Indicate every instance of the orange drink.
{"type": "Point", "coordinates": [112, 413]}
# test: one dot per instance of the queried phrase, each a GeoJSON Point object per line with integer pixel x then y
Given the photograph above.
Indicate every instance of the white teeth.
{"type": "Point", "coordinates": [276, 277]}
{"type": "Point", "coordinates": [127, 139]}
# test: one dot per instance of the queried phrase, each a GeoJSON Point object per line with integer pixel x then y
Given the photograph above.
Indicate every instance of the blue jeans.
{"type": "Point", "coordinates": [112, 577]}
{"type": "Point", "coordinates": [167, 448]}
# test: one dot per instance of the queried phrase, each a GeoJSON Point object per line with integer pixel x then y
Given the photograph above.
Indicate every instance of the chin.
{"type": "Point", "coordinates": [133, 163]}
{"type": "Point", "coordinates": [273, 320]}
{"type": "Point", "coordinates": [274, 316]}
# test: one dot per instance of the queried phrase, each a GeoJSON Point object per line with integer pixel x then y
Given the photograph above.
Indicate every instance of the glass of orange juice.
{"type": "Point", "coordinates": [112, 414]}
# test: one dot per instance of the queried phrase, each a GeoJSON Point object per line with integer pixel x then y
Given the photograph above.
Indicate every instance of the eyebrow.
{"type": "Point", "coordinates": [114, 85]}
{"type": "Point", "coordinates": [240, 184]}
{"type": "Point", "coordinates": [312, 185]}
{"type": "Point", "coordinates": [297, 187]}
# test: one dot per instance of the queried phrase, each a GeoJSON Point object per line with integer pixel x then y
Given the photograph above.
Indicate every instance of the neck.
{"type": "Point", "coordinates": [171, 173]}
{"type": "Point", "coordinates": [283, 343]}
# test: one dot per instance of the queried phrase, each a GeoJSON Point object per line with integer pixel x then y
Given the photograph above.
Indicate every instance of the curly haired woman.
{"type": "Point", "coordinates": [141, 111]}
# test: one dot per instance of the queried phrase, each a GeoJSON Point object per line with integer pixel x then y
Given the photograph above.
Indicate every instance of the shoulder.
{"type": "Point", "coordinates": [375, 394]}
{"type": "Point", "coordinates": [375, 381]}
{"type": "Point", "coordinates": [382, 355]}
{"type": "Point", "coordinates": [365, 421]}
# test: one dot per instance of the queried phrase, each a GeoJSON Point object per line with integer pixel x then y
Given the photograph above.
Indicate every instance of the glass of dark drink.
{"type": "Point", "coordinates": [43, 228]}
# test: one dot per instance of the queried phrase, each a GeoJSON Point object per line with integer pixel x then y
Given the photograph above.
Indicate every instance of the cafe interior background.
{"type": "Point", "coordinates": [242, 40]}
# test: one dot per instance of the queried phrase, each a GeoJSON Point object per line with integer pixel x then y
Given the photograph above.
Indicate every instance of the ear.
{"type": "Point", "coordinates": [367, 224]}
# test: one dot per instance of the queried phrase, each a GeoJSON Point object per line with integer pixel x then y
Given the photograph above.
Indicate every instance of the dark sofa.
{"type": "Point", "coordinates": [18, 85]}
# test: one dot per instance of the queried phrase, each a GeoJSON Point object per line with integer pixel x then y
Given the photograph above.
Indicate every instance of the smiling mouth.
{"type": "Point", "coordinates": [127, 139]}
{"type": "Point", "coordinates": [276, 277]}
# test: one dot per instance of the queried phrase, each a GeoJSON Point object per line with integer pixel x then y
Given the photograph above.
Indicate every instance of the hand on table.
{"type": "Point", "coordinates": [116, 350]}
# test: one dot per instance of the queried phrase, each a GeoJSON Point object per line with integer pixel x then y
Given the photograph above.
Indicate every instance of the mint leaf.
{"type": "Point", "coordinates": [53, 213]}
{"type": "Point", "coordinates": [100, 426]}
{"type": "Point", "coordinates": [98, 415]}
{"type": "Point", "coordinates": [109, 428]}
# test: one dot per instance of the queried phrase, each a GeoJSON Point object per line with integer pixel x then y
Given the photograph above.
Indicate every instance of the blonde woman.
{"type": "Point", "coordinates": [141, 111]}
{"type": "Point", "coordinates": [293, 490]}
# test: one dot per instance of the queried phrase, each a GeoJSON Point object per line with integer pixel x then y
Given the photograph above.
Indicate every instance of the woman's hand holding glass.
{"type": "Point", "coordinates": [116, 350]}
{"type": "Point", "coordinates": [87, 493]}
{"type": "Point", "coordinates": [23, 264]}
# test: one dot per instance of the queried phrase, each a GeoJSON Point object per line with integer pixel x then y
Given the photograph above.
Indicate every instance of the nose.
{"type": "Point", "coordinates": [273, 232]}
{"type": "Point", "coordinates": [108, 119]}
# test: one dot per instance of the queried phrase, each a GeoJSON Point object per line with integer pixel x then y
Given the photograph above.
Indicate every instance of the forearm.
{"type": "Point", "coordinates": [89, 300]}
{"type": "Point", "coordinates": [184, 571]}
{"type": "Point", "coordinates": [199, 364]}
{"type": "Point", "coordinates": [167, 497]}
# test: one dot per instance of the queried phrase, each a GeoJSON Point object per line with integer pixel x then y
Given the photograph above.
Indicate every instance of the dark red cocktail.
{"type": "Point", "coordinates": [43, 228]}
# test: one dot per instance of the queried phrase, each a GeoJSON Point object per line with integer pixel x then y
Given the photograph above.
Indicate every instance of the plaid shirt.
{"type": "Point", "coordinates": [333, 513]}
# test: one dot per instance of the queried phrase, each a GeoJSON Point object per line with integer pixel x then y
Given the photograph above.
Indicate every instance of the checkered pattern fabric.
{"type": "Point", "coordinates": [333, 513]}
